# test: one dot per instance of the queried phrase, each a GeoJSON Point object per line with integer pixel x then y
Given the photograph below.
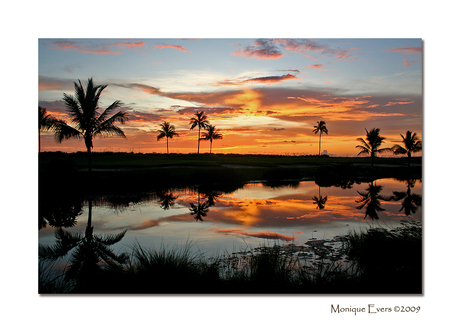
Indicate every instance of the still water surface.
{"type": "Point", "coordinates": [219, 222]}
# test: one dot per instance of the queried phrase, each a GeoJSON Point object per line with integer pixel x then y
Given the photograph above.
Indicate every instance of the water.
{"type": "Point", "coordinates": [217, 221]}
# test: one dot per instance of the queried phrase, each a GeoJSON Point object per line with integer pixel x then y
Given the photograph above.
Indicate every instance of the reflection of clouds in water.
{"type": "Point", "coordinates": [264, 235]}
{"type": "Point", "coordinates": [259, 206]}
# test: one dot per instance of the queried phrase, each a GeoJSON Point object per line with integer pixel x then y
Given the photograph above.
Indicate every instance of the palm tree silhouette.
{"type": "Point", "coordinates": [88, 120]}
{"type": "Point", "coordinates": [167, 130]}
{"type": "Point", "coordinates": [166, 199]}
{"type": "Point", "coordinates": [321, 128]}
{"type": "Point", "coordinates": [59, 210]}
{"type": "Point", "coordinates": [211, 134]}
{"type": "Point", "coordinates": [371, 200]}
{"type": "Point", "coordinates": [200, 120]}
{"type": "Point", "coordinates": [372, 146]}
{"type": "Point", "coordinates": [200, 210]}
{"type": "Point", "coordinates": [88, 251]}
{"type": "Point", "coordinates": [411, 143]}
{"type": "Point", "coordinates": [410, 202]}
{"type": "Point", "coordinates": [319, 200]}
{"type": "Point", "coordinates": [46, 122]}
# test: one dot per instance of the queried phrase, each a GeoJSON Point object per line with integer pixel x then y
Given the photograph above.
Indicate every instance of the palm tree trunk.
{"type": "Point", "coordinates": [167, 145]}
{"type": "Point", "coordinates": [408, 158]}
{"type": "Point", "coordinates": [319, 152]}
{"type": "Point", "coordinates": [39, 141]}
{"type": "Point", "coordinates": [89, 227]}
{"type": "Point", "coordinates": [198, 139]}
{"type": "Point", "coordinates": [88, 151]}
{"type": "Point", "coordinates": [210, 147]}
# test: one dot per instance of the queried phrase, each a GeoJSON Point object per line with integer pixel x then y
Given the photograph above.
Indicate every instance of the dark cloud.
{"type": "Point", "coordinates": [262, 49]}
{"type": "Point", "coordinates": [50, 83]}
{"type": "Point", "coordinates": [210, 110]}
{"type": "Point", "coordinates": [262, 235]}
{"type": "Point", "coordinates": [273, 48]}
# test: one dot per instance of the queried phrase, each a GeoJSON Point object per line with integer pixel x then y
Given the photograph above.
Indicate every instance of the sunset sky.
{"type": "Point", "coordinates": [265, 95]}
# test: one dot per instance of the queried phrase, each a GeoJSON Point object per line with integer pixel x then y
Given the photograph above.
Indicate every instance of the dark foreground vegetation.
{"type": "Point", "coordinates": [129, 172]}
{"type": "Point", "coordinates": [377, 261]}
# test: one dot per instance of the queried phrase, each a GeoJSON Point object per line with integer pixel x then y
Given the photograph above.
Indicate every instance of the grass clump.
{"type": "Point", "coordinates": [378, 261]}
{"type": "Point", "coordinates": [388, 260]}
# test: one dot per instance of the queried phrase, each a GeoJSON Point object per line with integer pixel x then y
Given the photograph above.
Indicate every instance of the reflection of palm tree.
{"type": "Point", "coordinates": [411, 145]}
{"type": "Point", "coordinates": [211, 196]}
{"type": "Point", "coordinates": [166, 199]}
{"type": "Point", "coordinates": [200, 210]}
{"type": "Point", "coordinates": [89, 122]}
{"type": "Point", "coordinates": [167, 130]}
{"type": "Point", "coordinates": [321, 128]}
{"type": "Point", "coordinates": [201, 121]}
{"type": "Point", "coordinates": [211, 135]}
{"type": "Point", "coordinates": [410, 202]}
{"type": "Point", "coordinates": [46, 122]}
{"type": "Point", "coordinates": [371, 200]}
{"type": "Point", "coordinates": [88, 251]}
{"type": "Point", "coordinates": [372, 146]}
{"type": "Point", "coordinates": [319, 200]}
{"type": "Point", "coordinates": [59, 211]}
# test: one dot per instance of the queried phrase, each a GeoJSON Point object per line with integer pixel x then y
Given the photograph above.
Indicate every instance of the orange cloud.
{"type": "Point", "coordinates": [71, 45]}
{"type": "Point", "coordinates": [180, 48]}
{"type": "Point", "coordinates": [318, 66]}
{"type": "Point", "coordinates": [130, 45]}
{"type": "Point", "coordinates": [408, 49]}
{"type": "Point", "coordinates": [408, 63]}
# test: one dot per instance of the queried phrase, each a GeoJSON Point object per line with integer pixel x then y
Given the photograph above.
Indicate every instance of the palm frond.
{"type": "Point", "coordinates": [109, 131]}
{"type": "Point", "coordinates": [161, 135]}
{"type": "Point", "coordinates": [109, 240]}
{"type": "Point", "coordinates": [63, 132]}
{"type": "Point", "coordinates": [398, 149]}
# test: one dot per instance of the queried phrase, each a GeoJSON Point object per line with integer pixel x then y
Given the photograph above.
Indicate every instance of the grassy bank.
{"type": "Point", "coordinates": [378, 261]}
{"type": "Point", "coordinates": [129, 172]}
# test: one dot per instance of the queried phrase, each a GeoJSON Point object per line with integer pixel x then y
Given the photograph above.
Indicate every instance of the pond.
{"type": "Point", "coordinates": [221, 221]}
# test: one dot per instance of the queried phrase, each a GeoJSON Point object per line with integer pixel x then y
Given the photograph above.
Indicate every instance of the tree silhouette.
{"type": "Point", "coordinates": [200, 210]}
{"type": "Point", "coordinates": [320, 128]}
{"type": "Point", "coordinates": [46, 122]}
{"type": "Point", "coordinates": [372, 144]}
{"type": "Point", "coordinates": [166, 199]}
{"type": "Point", "coordinates": [201, 121]}
{"type": "Point", "coordinates": [167, 130]}
{"type": "Point", "coordinates": [319, 200]}
{"type": "Point", "coordinates": [211, 134]}
{"type": "Point", "coordinates": [89, 122]}
{"type": "Point", "coordinates": [410, 202]}
{"type": "Point", "coordinates": [88, 251]}
{"type": "Point", "coordinates": [411, 143]}
{"type": "Point", "coordinates": [371, 200]}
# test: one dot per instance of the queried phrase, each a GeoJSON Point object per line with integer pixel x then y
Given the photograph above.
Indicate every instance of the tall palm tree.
{"type": "Point", "coordinates": [89, 121]}
{"type": "Point", "coordinates": [372, 144]}
{"type": "Point", "coordinates": [411, 143]}
{"type": "Point", "coordinates": [46, 122]}
{"type": "Point", "coordinates": [167, 130]}
{"type": "Point", "coordinates": [211, 134]}
{"type": "Point", "coordinates": [201, 121]}
{"type": "Point", "coordinates": [320, 128]}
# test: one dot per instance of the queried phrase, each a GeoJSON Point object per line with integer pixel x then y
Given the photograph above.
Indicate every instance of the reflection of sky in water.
{"type": "Point", "coordinates": [248, 217]}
